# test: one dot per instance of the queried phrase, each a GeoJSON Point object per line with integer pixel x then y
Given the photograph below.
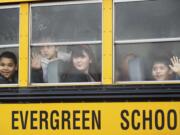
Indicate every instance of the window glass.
{"type": "Point", "coordinates": [9, 26]}
{"type": "Point", "coordinates": [62, 64]}
{"type": "Point", "coordinates": [147, 19]}
{"type": "Point", "coordinates": [84, 65]}
{"type": "Point", "coordinates": [147, 61]}
{"type": "Point", "coordinates": [9, 40]}
{"type": "Point", "coordinates": [66, 43]}
{"type": "Point", "coordinates": [147, 40]}
{"type": "Point", "coordinates": [67, 23]}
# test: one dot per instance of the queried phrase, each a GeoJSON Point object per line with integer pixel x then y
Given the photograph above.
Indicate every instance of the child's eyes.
{"type": "Point", "coordinates": [2, 64]}
{"type": "Point", "coordinates": [9, 65]}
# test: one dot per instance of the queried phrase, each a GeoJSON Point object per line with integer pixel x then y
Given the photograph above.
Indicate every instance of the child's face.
{"type": "Point", "coordinates": [161, 72]}
{"type": "Point", "coordinates": [7, 67]}
{"type": "Point", "coordinates": [82, 63]}
{"type": "Point", "coordinates": [48, 52]}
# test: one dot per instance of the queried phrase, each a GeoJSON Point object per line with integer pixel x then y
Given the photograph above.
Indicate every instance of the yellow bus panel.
{"type": "Point", "coordinates": [143, 118]}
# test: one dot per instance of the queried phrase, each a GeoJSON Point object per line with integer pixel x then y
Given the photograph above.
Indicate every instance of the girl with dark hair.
{"type": "Point", "coordinates": [82, 67]}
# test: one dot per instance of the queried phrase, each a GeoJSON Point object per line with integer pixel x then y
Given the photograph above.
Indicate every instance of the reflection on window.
{"type": "Point", "coordinates": [66, 42]}
{"type": "Point", "coordinates": [9, 35]}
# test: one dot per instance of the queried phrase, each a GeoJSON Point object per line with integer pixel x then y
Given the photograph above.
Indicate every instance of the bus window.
{"type": "Point", "coordinates": [9, 42]}
{"type": "Point", "coordinates": [146, 40]}
{"type": "Point", "coordinates": [147, 19]}
{"type": "Point", "coordinates": [62, 33]}
{"type": "Point", "coordinates": [137, 64]}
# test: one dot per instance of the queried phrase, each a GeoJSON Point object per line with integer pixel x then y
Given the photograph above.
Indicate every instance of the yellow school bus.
{"type": "Point", "coordinates": [89, 67]}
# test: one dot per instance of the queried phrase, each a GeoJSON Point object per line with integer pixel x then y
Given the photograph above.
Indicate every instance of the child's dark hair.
{"type": "Point", "coordinates": [163, 60]}
{"type": "Point", "coordinates": [77, 51]}
{"type": "Point", "coordinates": [9, 55]}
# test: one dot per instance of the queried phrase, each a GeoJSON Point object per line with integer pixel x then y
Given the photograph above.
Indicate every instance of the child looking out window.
{"type": "Point", "coordinates": [8, 68]}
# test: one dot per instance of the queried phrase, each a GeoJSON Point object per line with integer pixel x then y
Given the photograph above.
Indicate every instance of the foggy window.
{"type": "Point", "coordinates": [9, 26]}
{"type": "Point", "coordinates": [147, 40]}
{"type": "Point", "coordinates": [9, 42]}
{"type": "Point", "coordinates": [147, 19]}
{"type": "Point", "coordinates": [66, 42]}
{"type": "Point", "coordinates": [135, 61]}
{"type": "Point", "coordinates": [67, 23]}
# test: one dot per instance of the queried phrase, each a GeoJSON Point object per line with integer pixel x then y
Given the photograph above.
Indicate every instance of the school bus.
{"type": "Point", "coordinates": [83, 67]}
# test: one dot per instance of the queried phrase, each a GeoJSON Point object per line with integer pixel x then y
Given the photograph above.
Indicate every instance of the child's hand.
{"type": "Point", "coordinates": [175, 67]}
{"type": "Point", "coordinates": [36, 61]}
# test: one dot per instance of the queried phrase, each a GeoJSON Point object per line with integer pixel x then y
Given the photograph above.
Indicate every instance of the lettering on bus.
{"type": "Point", "coordinates": [57, 120]}
{"type": "Point", "coordinates": [148, 119]}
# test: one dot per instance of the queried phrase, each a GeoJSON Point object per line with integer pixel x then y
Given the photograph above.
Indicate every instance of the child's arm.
{"type": "Point", "coordinates": [175, 67]}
